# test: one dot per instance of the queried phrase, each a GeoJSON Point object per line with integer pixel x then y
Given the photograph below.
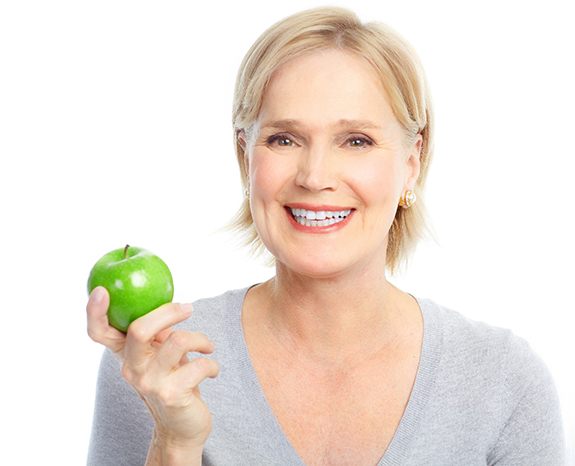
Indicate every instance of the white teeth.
{"type": "Point", "coordinates": [320, 218]}
{"type": "Point", "coordinates": [313, 223]}
{"type": "Point", "coordinates": [319, 215]}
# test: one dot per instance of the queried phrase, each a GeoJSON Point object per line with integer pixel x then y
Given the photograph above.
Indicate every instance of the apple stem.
{"type": "Point", "coordinates": [126, 251]}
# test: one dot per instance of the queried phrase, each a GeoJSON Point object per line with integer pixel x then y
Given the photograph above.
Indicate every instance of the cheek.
{"type": "Point", "coordinates": [378, 186]}
{"type": "Point", "coordinates": [376, 182]}
{"type": "Point", "coordinates": [268, 175]}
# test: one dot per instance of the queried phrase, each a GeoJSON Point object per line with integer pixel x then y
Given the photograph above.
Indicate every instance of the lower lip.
{"type": "Point", "coordinates": [318, 229]}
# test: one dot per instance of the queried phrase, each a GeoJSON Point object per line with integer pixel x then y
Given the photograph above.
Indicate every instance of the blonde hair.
{"type": "Point", "coordinates": [402, 77]}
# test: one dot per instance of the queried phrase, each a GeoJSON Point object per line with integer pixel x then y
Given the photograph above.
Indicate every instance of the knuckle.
{"type": "Point", "coordinates": [179, 339]}
{"type": "Point", "coordinates": [166, 395]}
{"type": "Point", "coordinates": [206, 366]}
{"type": "Point", "coordinates": [178, 307]}
{"type": "Point", "coordinates": [184, 308]}
{"type": "Point", "coordinates": [94, 334]}
{"type": "Point", "coordinates": [202, 341]}
{"type": "Point", "coordinates": [137, 332]}
{"type": "Point", "coordinates": [145, 386]}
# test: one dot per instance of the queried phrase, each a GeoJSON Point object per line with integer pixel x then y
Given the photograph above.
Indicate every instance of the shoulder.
{"type": "Point", "coordinates": [477, 341]}
{"type": "Point", "coordinates": [493, 380]}
{"type": "Point", "coordinates": [486, 359]}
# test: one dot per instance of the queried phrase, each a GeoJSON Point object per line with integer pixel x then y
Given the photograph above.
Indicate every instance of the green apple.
{"type": "Point", "coordinates": [137, 282]}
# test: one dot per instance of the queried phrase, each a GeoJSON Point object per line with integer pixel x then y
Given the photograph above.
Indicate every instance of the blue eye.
{"type": "Point", "coordinates": [281, 139]}
{"type": "Point", "coordinates": [357, 141]}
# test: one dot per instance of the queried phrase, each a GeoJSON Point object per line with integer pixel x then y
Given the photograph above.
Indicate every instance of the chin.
{"type": "Point", "coordinates": [315, 266]}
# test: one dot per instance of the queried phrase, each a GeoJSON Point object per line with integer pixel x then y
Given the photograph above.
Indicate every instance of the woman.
{"type": "Point", "coordinates": [326, 363]}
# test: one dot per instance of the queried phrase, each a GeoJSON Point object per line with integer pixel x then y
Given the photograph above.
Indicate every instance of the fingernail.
{"type": "Point", "coordinates": [97, 295]}
{"type": "Point", "coordinates": [187, 308]}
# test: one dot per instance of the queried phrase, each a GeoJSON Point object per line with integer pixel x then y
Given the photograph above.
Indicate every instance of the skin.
{"type": "Point", "coordinates": [330, 299]}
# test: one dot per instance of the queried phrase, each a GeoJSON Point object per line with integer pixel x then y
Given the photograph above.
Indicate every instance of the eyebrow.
{"type": "Point", "coordinates": [342, 123]}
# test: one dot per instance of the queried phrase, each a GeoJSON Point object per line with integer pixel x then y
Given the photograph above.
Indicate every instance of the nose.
{"type": "Point", "coordinates": [316, 170]}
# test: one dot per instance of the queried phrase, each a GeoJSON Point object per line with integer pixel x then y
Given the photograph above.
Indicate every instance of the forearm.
{"type": "Point", "coordinates": [162, 453]}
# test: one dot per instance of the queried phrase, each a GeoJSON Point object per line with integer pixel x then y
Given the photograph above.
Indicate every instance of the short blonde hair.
{"type": "Point", "coordinates": [402, 77]}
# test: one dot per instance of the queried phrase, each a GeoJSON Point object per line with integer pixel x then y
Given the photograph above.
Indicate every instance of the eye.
{"type": "Point", "coordinates": [359, 141]}
{"type": "Point", "coordinates": [282, 140]}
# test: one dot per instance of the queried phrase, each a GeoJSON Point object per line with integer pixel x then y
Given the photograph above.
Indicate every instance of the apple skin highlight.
{"type": "Point", "coordinates": [137, 281]}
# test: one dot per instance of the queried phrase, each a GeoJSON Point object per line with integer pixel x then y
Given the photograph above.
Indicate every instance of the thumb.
{"type": "Point", "coordinates": [98, 327]}
{"type": "Point", "coordinates": [99, 301]}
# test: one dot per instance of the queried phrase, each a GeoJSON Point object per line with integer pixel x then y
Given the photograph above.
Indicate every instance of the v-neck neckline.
{"type": "Point", "coordinates": [398, 448]}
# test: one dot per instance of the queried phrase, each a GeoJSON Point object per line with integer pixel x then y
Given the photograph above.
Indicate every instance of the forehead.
{"type": "Point", "coordinates": [326, 86]}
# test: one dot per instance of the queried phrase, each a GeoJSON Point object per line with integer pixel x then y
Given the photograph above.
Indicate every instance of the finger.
{"type": "Point", "coordinates": [179, 343]}
{"type": "Point", "coordinates": [143, 331]}
{"type": "Point", "coordinates": [190, 375]}
{"type": "Point", "coordinates": [161, 337]}
{"type": "Point", "coordinates": [184, 359]}
{"type": "Point", "coordinates": [99, 328]}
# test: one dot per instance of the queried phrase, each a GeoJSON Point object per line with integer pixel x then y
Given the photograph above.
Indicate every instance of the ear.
{"type": "Point", "coordinates": [242, 141]}
{"type": "Point", "coordinates": [413, 162]}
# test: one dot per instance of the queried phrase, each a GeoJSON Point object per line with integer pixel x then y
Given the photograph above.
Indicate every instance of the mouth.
{"type": "Point", "coordinates": [320, 218]}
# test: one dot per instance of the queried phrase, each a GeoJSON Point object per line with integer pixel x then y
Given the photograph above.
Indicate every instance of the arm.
{"type": "Point", "coordinates": [123, 429]}
{"type": "Point", "coordinates": [161, 453]}
{"type": "Point", "coordinates": [122, 426]}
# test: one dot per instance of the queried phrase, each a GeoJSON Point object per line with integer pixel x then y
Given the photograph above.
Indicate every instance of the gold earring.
{"type": "Point", "coordinates": [247, 190]}
{"type": "Point", "coordinates": [408, 199]}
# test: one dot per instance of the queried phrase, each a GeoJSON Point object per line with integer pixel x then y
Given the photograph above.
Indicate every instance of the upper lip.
{"type": "Point", "coordinates": [317, 207]}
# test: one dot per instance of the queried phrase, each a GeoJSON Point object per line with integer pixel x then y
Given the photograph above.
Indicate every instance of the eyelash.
{"type": "Point", "coordinates": [276, 137]}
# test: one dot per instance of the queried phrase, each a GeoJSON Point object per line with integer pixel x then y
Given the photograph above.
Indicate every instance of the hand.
{"type": "Point", "coordinates": [156, 364]}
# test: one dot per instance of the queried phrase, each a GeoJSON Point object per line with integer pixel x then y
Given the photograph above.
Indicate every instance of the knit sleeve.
{"type": "Point", "coordinates": [533, 433]}
{"type": "Point", "coordinates": [122, 426]}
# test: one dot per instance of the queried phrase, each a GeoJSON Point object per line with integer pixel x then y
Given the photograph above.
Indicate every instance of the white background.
{"type": "Point", "coordinates": [115, 128]}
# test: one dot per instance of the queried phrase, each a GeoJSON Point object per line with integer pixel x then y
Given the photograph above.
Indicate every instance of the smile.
{"type": "Point", "coordinates": [322, 219]}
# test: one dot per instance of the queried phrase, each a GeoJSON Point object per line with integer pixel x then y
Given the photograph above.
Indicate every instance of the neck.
{"type": "Point", "coordinates": [331, 320]}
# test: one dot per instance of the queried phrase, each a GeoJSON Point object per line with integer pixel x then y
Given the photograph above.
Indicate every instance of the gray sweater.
{"type": "Point", "coordinates": [481, 397]}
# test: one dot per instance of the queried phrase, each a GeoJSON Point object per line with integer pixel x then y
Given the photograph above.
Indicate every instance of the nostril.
{"type": "Point", "coordinates": [316, 183]}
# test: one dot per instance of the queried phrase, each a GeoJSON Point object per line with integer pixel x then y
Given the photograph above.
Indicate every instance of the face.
{"type": "Point", "coordinates": [327, 164]}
